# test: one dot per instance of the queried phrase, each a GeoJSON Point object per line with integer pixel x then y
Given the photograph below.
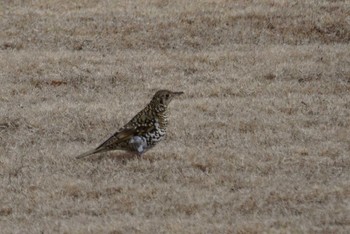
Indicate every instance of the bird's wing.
{"type": "Point", "coordinates": [138, 125]}
{"type": "Point", "coordinates": [123, 136]}
{"type": "Point", "coordinates": [117, 138]}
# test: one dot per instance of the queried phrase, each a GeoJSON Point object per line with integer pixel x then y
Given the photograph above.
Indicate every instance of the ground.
{"type": "Point", "coordinates": [258, 143]}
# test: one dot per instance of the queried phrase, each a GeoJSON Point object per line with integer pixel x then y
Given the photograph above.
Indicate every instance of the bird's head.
{"type": "Point", "coordinates": [164, 97]}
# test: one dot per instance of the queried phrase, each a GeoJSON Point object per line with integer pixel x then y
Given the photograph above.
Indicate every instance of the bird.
{"type": "Point", "coordinates": [143, 131]}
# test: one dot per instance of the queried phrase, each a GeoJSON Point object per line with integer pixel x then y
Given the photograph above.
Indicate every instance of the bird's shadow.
{"type": "Point", "coordinates": [120, 157]}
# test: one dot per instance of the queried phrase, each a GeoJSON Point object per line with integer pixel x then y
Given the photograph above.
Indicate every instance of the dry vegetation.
{"type": "Point", "coordinates": [259, 142]}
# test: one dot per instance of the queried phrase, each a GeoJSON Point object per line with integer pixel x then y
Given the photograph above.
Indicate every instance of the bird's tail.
{"type": "Point", "coordinates": [91, 152]}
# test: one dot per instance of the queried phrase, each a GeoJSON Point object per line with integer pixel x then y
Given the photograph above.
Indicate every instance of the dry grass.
{"type": "Point", "coordinates": [259, 142]}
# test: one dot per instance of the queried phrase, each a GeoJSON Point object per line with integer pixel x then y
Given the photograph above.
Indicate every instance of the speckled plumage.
{"type": "Point", "coordinates": [143, 131]}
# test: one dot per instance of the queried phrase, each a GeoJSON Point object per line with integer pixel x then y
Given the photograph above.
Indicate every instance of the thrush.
{"type": "Point", "coordinates": [143, 131]}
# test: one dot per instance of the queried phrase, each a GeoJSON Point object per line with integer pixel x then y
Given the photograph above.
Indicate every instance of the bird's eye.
{"type": "Point", "coordinates": [167, 96]}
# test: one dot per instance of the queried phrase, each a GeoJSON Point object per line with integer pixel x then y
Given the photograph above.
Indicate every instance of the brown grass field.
{"type": "Point", "coordinates": [259, 142]}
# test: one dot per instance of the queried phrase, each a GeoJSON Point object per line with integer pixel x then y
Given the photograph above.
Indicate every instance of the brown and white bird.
{"type": "Point", "coordinates": [143, 131]}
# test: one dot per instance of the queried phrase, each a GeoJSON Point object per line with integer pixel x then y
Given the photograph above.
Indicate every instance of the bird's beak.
{"type": "Point", "coordinates": [177, 93]}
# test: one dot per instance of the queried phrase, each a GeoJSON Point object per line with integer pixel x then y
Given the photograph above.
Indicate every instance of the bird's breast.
{"type": "Point", "coordinates": [162, 120]}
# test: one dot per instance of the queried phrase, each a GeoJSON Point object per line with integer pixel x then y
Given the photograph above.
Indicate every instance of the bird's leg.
{"type": "Point", "coordinates": [139, 155]}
